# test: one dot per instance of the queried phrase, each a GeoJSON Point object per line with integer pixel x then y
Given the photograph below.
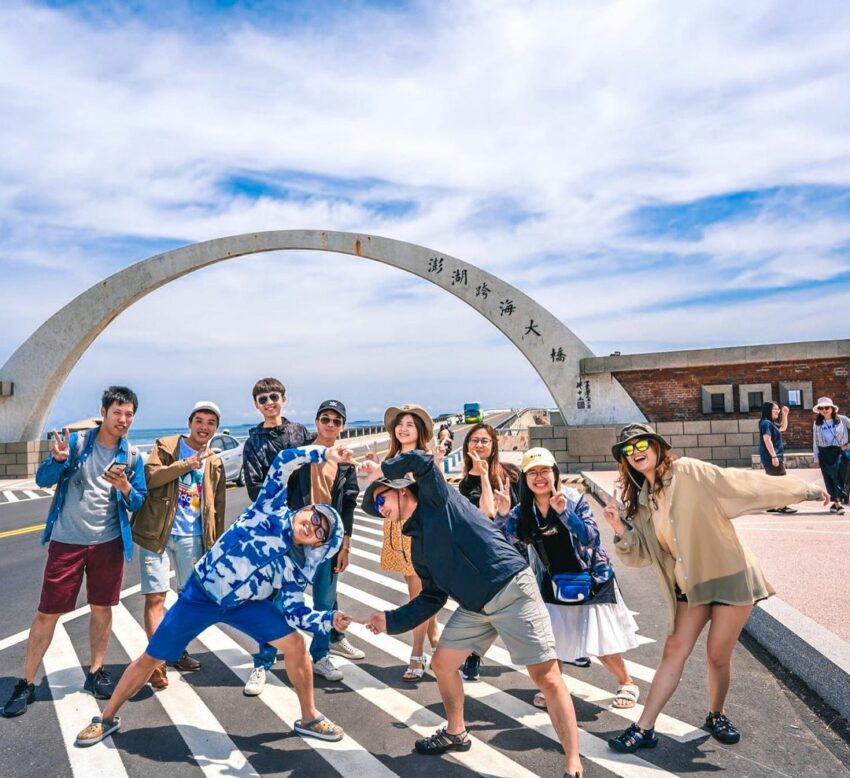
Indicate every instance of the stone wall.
{"type": "Point", "coordinates": [725, 442]}
{"type": "Point", "coordinates": [21, 460]}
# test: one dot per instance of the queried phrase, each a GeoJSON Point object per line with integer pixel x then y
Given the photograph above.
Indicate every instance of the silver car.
{"type": "Point", "coordinates": [229, 451]}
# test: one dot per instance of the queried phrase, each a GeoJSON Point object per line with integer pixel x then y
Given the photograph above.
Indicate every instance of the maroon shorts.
{"type": "Point", "coordinates": [103, 565]}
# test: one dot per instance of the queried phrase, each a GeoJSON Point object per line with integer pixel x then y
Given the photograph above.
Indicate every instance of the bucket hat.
{"type": "Point", "coordinates": [825, 402]}
{"type": "Point", "coordinates": [634, 431]}
{"type": "Point", "coordinates": [416, 410]}
{"type": "Point", "coordinates": [368, 502]}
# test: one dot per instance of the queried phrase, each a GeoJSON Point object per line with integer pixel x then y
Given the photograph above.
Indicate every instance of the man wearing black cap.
{"type": "Point", "coordinates": [334, 484]}
{"type": "Point", "coordinates": [459, 553]}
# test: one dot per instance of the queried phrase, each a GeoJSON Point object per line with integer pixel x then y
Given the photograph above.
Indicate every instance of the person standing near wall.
{"type": "Point", "coordinates": [771, 447]}
{"type": "Point", "coordinates": [830, 439]}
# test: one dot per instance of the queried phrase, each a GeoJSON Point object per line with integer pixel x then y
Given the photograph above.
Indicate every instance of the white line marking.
{"type": "Point", "coordinates": [369, 531]}
{"type": "Point", "coordinates": [32, 495]}
{"type": "Point", "coordinates": [11, 497]}
{"type": "Point", "coordinates": [215, 753]}
{"type": "Point", "coordinates": [347, 756]}
{"type": "Point", "coordinates": [666, 725]}
{"type": "Point", "coordinates": [74, 709]}
{"type": "Point", "coordinates": [368, 541]}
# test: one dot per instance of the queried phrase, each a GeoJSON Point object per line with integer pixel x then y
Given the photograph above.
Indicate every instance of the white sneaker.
{"type": "Point", "coordinates": [344, 648]}
{"type": "Point", "coordinates": [256, 682]}
{"type": "Point", "coordinates": [325, 668]}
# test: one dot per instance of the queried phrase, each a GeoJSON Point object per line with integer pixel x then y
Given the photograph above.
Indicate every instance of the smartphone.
{"type": "Point", "coordinates": [116, 468]}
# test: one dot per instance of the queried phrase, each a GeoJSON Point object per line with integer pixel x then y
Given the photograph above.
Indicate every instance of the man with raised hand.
{"type": "Point", "coordinates": [99, 480]}
{"type": "Point", "coordinates": [457, 552]}
{"type": "Point", "coordinates": [181, 519]}
{"type": "Point", "coordinates": [253, 579]}
{"type": "Point", "coordinates": [335, 484]}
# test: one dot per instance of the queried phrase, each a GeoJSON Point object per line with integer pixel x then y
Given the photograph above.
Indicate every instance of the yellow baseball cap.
{"type": "Point", "coordinates": [537, 457]}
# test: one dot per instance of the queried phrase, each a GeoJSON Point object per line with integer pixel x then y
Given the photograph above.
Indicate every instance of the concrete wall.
{"type": "Point", "coordinates": [21, 460]}
{"type": "Point", "coordinates": [725, 442]}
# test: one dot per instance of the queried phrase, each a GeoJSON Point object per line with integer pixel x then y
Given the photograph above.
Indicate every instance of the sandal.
{"type": "Point", "coordinates": [322, 728]}
{"type": "Point", "coordinates": [539, 701]}
{"type": "Point", "coordinates": [626, 696]}
{"type": "Point", "coordinates": [99, 729]}
{"type": "Point", "coordinates": [414, 674]}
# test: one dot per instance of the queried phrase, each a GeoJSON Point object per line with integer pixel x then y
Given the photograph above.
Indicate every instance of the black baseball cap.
{"type": "Point", "coordinates": [332, 405]}
{"type": "Point", "coordinates": [368, 501]}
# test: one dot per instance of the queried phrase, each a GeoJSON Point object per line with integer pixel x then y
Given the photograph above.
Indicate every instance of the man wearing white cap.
{"type": "Point", "coordinates": [182, 517]}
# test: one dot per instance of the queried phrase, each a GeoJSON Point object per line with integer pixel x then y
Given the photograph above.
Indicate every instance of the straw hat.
{"type": "Point", "coordinates": [415, 410]}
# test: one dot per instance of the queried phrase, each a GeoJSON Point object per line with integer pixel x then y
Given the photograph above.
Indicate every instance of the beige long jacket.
{"type": "Point", "coordinates": [703, 498]}
{"type": "Point", "coordinates": [153, 521]}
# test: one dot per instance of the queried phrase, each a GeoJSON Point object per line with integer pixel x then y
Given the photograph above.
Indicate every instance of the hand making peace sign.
{"type": "Point", "coordinates": [61, 447]}
{"type": "Point", "coordinates": [611, 512]}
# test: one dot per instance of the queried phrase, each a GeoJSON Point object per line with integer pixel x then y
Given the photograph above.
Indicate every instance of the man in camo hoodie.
{"type": "Point", "coordinates": [253, 579]}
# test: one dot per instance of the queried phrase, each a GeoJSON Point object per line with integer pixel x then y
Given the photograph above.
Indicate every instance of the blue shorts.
{"type": "Point", "coordinates": [194, 611]}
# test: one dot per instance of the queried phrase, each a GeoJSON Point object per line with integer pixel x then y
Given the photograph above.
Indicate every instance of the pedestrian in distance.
{"type": "Point", "coordinates": [410, 429]}
{"type": "Point", "coordinates": [772, 424]}
{"type": "Point", "coordinates": [576, 579]}
{"type": "Point", "coordinates": [831, 449]}
{"type": "Point", "coordinates": [458, 552]}
{"type": "Point", "coordinates": [252, 579]}
{"type": "Point", "coordinates": [676, 517]}
{"type": "Point", "coordinates": [100, 480]}
{"type": "Point", "coordinates": [482, 474]}
{"type": "Point", "coordinates": [334, 483]}
{"type": "Point", "coordinates": [181, 519]}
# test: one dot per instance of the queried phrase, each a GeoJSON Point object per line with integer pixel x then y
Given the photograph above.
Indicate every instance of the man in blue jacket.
{"type": "Point", "coordinates": [458, 553]}
{"type": "Point", "coordinates": [99, 480]}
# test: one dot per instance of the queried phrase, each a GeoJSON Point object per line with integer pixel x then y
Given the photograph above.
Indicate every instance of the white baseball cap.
{"type": "Point", "coordinates": [206, 405]}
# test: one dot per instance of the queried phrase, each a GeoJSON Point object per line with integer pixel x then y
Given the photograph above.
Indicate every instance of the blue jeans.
{"type": "Point", "coordinates": [324, 599]}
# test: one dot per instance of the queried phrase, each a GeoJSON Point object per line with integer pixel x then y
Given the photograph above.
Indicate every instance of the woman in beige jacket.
{"type": "Point", "coordinates": [676, 518]}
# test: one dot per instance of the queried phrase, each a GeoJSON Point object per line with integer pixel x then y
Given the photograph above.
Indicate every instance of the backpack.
{"type": "Point", "coordinates": [132, 451]}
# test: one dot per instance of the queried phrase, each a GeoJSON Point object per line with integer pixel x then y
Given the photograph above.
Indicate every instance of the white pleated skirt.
{"type": "Point", "coordinates": [593, 630]}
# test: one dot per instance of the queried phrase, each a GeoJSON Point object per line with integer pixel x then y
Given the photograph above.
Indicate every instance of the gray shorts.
{"type": "Point", "coordinates": [180, 554]}
{"type": "Point", "coordinates": [516, 614]}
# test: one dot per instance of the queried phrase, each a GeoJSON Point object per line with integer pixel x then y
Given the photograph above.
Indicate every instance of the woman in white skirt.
{"type": "Point", "coordinates": [589, 617]}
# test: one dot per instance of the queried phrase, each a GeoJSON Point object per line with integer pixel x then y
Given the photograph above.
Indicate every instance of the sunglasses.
{"type": "Point", "coordinates": [262, 399]}
{"type": "Point", "coordinates": [316, 520]}
{"type": "Point", "coordinates": [480, 441]}
{"type": "Point", "coordinates": [378, 502]}
{"type": "Point", "coordinates": [639, 445]}
{"type": "Point", "coordinates": [335, 420]}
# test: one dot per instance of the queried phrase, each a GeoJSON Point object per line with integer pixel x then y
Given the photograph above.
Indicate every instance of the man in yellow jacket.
{"type": "Point", "coordinates": [181, 519]}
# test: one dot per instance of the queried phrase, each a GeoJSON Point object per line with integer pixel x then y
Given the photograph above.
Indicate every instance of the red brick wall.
{"type": "Point", "coordinates": [674, 394]}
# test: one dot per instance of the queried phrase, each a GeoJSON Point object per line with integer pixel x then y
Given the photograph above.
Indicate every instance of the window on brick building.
{"type": "Point", "coordinates": [717, 398]}
{"type": "Point", "coordinates": [795, 398]}
{"type": "Point", "coordinates": [755, 400]}
{"type": "Point", "coordinates": [718, 402]}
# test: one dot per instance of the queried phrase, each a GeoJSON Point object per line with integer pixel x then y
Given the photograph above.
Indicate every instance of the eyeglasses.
{"type": "Point", "coordinates": [539, 473]}
{"type": "Point", "coordinates": [639, 445]}
{"type": "Point", "coordinates": [316, 520]}
{"type": "Point", "coordinates": [480, 441]}
{"type": "Point", "coordinates": [271, 396]}
{"type": "Point", "coordinates": [335, 420]}
{"type": "Point", "coordinates": [379, 502]}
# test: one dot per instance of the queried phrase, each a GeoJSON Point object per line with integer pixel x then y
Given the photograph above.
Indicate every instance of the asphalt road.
{"type": "Point", "coordinates": [223, 733]}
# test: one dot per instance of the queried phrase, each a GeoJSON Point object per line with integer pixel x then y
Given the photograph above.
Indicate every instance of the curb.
{"type": "Point", "coordinates": [818, 657]}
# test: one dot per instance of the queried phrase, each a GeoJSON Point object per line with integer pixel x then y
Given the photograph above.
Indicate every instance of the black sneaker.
{"type": "Point", "coordinates": [100, 684]}
{"type": "Point", "coordinates": [22, 695]}
{"type": "Point", "coordinates": [470, 669]}
{"type": "Point", "coordinates": [633, 739]}
{"type": "Point", "coordinates": [441, 741]}
{"type": "Point", "coordinates": [722, 729]}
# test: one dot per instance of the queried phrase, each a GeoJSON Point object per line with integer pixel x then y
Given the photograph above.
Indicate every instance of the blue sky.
{"type": "Point", "coordinates": [659, 175]}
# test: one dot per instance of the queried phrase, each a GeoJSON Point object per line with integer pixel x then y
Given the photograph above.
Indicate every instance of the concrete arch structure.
{"type": "Point", "coordinates": [38, 368]}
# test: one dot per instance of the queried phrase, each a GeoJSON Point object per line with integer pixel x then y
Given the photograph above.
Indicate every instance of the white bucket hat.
{"type": "Point", "coordinates": [825, 402]}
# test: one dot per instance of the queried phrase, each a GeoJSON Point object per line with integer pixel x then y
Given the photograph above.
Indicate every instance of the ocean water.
{"type": "Point", "coordinates": [146, 437]}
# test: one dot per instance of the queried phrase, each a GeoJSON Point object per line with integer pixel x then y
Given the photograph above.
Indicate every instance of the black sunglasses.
{"type": "Point", "coordinates": [262, 399]}
{"type": "Point", "coordinates": [335, 420]}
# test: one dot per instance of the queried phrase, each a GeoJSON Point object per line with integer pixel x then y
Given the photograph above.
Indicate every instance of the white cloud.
{"type": "Point", "coordinates": [576, 113]}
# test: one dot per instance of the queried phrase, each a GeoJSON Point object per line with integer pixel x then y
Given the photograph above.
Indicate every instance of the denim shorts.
{"type": "Point", "coordinates": [181, 553]}
{"type": "Point", "coordinates": [195, 610]}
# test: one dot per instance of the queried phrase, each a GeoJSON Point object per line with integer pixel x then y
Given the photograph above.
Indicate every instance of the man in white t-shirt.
{"type": "Point", "coordinates": [181, 519]}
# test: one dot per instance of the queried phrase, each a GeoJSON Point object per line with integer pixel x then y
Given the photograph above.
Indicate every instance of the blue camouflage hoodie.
{"type": "Point", "coordinates": [254, 559]}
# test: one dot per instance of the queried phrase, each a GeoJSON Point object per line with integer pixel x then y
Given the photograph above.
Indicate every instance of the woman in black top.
{"type": "Point", "coordinates": [482, 473]}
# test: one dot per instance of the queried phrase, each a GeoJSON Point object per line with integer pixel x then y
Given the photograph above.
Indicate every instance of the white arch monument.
{"type": "Point", "coordinates": [35, 373]}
